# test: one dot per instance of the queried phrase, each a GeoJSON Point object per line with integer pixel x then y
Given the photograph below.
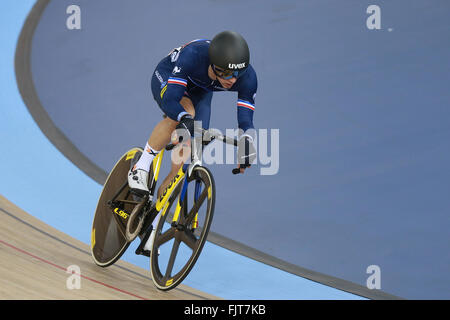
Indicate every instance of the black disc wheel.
{"type": "Point", "coordinates": [116, 203]}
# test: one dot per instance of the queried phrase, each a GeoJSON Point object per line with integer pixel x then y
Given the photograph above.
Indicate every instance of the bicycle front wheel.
{"type": "Point", "coordinates": [181, 235]}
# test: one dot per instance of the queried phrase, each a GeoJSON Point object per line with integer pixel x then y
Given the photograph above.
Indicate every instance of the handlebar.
{"type": "Point", "coordinates": [210, 135]}
{"type": "Point", "coordinates": [207, 137]}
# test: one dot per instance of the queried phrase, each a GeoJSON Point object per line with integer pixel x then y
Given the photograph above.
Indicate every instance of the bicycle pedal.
{"type": "Point", "coordinates": [142, 252]}
{"type": "Point", "coordinates": [145, 235]}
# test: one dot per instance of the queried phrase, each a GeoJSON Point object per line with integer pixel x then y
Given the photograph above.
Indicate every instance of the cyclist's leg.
{"type": "Point", "coordinates": [189, 107]}
{"type": "Point", "coordinates": [161, 134]}
{"type": "Point", "coordinates": [202, 102]}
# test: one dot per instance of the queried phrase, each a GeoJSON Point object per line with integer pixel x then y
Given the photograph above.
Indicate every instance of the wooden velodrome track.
{"type": "Point", "coordinates": [34, 258]}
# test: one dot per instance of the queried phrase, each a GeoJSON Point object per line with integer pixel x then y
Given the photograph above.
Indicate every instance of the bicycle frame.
{"type": "Point", "coordinates": [184, 171]}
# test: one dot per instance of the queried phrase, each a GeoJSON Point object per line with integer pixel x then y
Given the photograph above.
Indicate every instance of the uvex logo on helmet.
{"type": "Point", "coordinates": [236, 66]}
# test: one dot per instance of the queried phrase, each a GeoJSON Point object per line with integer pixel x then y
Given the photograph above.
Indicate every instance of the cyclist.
{"type": "Point", "coordinates": [182, 85]}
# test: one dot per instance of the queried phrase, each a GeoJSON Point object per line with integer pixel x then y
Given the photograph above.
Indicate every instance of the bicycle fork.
{"type": "Point", "coordinates": [181, 199]}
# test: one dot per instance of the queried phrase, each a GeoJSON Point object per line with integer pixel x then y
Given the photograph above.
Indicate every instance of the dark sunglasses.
{"type": "Point", "coordinates": [226, 74]}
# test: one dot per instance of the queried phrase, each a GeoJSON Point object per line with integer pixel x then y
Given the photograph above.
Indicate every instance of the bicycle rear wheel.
{"type": "Point", "coordinates": [181, 239]}
{"type": "Point", "coordinates": [108, 236]}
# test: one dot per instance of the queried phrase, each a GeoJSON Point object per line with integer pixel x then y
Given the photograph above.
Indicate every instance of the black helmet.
{"type": "Point", "coordinates": [229, 51]}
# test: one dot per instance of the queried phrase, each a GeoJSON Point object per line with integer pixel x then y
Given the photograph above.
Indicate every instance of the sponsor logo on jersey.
{"type": "Point", "coordinates": [174, 54]}
{"type": "Point", "coordinates": [176, 70]}
{"type": "Point", "coordinates": [158, 75]}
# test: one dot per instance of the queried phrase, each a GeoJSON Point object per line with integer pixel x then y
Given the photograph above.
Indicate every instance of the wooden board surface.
{"type": "Point", "coordinates": [34, 258]}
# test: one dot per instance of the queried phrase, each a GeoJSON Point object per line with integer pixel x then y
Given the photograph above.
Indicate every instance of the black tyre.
{"type": "Point", "coordinates": [181, 242]}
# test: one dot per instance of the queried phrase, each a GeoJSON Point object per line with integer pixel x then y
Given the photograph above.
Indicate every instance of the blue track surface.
{"type": "Point", "coordinates": [37, 178]}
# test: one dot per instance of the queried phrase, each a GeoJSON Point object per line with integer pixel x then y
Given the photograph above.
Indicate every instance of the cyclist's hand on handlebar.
{"type": "Point", "coordinates": [246, 151]}
{"type": "Point", "coordinates": [240, 169]}
{"type": "Point", "coordinates": [184, 129]}
{"type": "Point", "coordinates": [246, 154]}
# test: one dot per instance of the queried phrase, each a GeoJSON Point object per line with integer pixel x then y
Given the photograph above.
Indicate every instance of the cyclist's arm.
{"type": "Point", "coordinates": [246, 103]}
{"type": "Point", "coordinates": [171, 100]}
{"type": "Point", "coordinates": [245, 111]}
{"type": "Point", "coordinates": [176, 87]}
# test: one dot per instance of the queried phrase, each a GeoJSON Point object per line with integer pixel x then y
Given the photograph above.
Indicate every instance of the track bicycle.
{"type": "Point", "coordinates": [121, 216]}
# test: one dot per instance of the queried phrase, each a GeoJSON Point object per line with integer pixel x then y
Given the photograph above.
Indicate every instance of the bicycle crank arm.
{"type": "Point", "coordinates": [178, 226]}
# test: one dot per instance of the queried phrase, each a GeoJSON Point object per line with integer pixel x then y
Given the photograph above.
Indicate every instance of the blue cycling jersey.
{"type": "Point", "coordinates": [189, 74]}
